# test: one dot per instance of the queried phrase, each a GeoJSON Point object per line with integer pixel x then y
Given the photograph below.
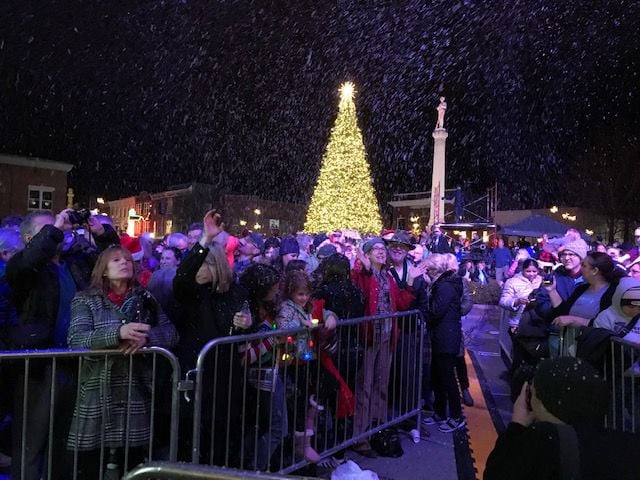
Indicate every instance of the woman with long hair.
{"type": "Point", "coordinates": [211, 308]}
{"type": "Point", "coordinates": [113, 408]}
{"type": "Point", "coordinates": [588, 299]}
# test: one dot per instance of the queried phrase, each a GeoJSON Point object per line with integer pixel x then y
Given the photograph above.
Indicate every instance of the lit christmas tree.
{"type": "Point", "coordinates": [344, 197]}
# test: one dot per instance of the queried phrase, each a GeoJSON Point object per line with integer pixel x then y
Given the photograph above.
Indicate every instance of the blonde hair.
{"type": "Point", "coordinates": [437, 262]}
{"type": "Point", "coordinates": [216, 269]}
{"type": "Point", "coordinates": [452, 262]}
{"type": "Point", "coordinates": [98, 274]}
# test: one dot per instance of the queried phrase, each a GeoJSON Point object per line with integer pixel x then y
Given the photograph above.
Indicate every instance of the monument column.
{"type": "Point", "coordinates": [436, 214]}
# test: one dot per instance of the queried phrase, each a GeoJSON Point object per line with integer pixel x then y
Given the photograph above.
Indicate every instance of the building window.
{"type": "Point", "coordinates": [400, 224]}
{"type": "Point", "coordinates": [168, 225]}
{"type": "Point", "coordinates": [40, 198]}
{"type": "Point", "coordinates": [274, 223]}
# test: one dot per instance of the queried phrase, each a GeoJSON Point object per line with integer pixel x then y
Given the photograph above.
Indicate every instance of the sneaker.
{"type": "Point", "coordinates": [331, 463]}
{"type": "Point", "coordinates": [451, 425]}
{"type": "Point", "coordinates": [433, 420]}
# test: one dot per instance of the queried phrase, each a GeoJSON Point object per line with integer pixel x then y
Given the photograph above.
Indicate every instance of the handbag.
{"type": "Point", "coordinates": [387, 443]}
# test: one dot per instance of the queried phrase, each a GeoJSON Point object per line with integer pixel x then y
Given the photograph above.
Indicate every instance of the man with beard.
{"type": "Point", "coordinates": [44, 277]}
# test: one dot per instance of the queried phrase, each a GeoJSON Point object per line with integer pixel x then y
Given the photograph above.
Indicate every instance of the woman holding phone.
{"type": "Point", "coordinates": [518, 301]}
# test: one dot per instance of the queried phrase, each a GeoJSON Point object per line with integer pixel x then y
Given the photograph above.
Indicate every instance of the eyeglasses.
{"type": "Point", "coordinates": [567, 255]}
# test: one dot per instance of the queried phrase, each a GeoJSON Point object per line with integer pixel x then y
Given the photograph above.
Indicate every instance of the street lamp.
{"type": "Point", "coordinates": [243, 223]}
{"type": "Point", "coordinates": [257, 226]}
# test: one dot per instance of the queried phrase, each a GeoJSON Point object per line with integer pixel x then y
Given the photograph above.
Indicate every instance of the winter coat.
{"type": "Point", "coordinates": [8, 314]}
{"type": "Point", "coordinates": [565, 285]}
{"type": "Point", "coordinates": [419, 289]}
{"type": "Point", "coordinates": [292, 315]}
{"type": "Point", "coordinates": [535, 453]}
{"type": "Point", "coordinates": [440, 245]}
{"type": "Point", "coordinates": [444, 313]}
{"type": "Point", "coordinates": [104, 384]}
{"type": "Point", "coordinates": [35, 285]}
{"type": "Point", "coordinates": [613, 318]}
{"type": "Point", "coordinates": [400, 299]}
{"type": "Point", "coordinates": [345, 299]}
{"type": "Point", "coordinates": [514, 288]}
{"type": "Point", "coordinates": [205, 314]}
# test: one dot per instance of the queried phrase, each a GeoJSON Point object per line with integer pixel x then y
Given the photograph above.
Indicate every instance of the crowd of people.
{"type": "Point", "coordinates": [85, 286]}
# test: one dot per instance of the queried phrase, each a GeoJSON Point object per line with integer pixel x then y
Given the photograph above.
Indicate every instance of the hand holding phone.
{"type": "Point", "coordinates": [212, 223]}
{"type": "Point", "coordinates": [528, 396]}
{"type": "Point", "coordinates": [522, 411]}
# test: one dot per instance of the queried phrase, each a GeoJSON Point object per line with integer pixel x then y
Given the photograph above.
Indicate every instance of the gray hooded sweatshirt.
{"type": "Point", "coordinates": [613, 318]}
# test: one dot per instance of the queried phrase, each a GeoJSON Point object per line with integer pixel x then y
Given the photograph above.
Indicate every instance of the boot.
{"type": "Point", "coordinates": [312, 412]}
{"type": "Point", "coordinates": [304, 448]}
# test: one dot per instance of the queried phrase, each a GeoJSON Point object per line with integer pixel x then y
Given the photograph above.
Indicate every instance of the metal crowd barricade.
{"type": "Point", "coordinates": [184, 471]}
{"type": "Point", "coordinates": [50, 391]}
{"type": "Point", "coordinates": [261, 398]}
{"type": "Point", "coordinates": [621, 369]}
{"type": "Point", "coordinates": [622, 372]}
{"type": "Point", "coordinates": [568, 341]}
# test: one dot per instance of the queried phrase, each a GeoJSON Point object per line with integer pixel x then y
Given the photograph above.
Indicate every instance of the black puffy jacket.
{"type": "Point", "coordinates": [444, 313]}
{"type": "Point", "coordinates": [35, 286]}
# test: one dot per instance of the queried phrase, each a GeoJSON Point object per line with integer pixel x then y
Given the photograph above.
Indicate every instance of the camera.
{"type": "Point", "coordinates": [547, 278]}
{"type": "Point", "coordinates": [79, 217]}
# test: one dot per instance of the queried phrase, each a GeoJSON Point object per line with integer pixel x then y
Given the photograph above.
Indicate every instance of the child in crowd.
{"type": "Point", "coordinates": [295, 311]}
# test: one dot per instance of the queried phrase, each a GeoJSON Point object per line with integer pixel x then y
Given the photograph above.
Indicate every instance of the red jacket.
{"type": "Point", "coordinates": [400, 299]}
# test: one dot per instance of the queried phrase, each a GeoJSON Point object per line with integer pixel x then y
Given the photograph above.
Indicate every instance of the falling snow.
{"type": "Point", "coordinates": [242, 94]}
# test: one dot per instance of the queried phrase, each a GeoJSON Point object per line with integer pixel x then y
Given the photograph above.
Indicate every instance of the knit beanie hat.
{"type": "Point", "coordinates": [326, 251]}
{"type": "Point", "coordinates": [571, 390]}
{"type": "Point", "coordinates": [579, 247]}
{"type": "Point", "coordinates": [368, 245]}
{"type": "Point", "coordinates": [289, 245]}
{"type": "Point", "coordinates": [318, 239]}
{"type": "Point", "coordinates": [256, 239]}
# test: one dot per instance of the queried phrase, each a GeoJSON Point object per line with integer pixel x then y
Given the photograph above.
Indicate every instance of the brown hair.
{"type": "Point", "coordinates": [294, 281]}
{"type": "Point", "coordinates": [606, 266]}
{"type": "Point", "coordinates": [98, 275]}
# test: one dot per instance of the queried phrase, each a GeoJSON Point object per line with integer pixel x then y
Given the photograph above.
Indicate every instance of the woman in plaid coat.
{"type": "Point", "coordinates": [111, 409]}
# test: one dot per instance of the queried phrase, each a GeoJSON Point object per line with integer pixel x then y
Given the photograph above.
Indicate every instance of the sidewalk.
{"type": "Point", "coordinates": [432, 458]}
{"type": "Point", "coordinates": [446, 456]}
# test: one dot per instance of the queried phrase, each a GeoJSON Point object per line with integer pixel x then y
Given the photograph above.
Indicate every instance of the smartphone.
{"type": "Point", "coordinates": [217, 217]}
{"type": "Point", "coordinates": [528, 397]}
{"type": "Point", "coordinates": [547, 278]}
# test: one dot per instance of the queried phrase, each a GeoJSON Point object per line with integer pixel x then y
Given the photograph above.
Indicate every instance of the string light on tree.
{"type": "Point", "coordinates": [344, 197]}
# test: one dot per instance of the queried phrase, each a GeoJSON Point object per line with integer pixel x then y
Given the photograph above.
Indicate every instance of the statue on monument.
{"type": "Point", "coordinates": [442, 108]}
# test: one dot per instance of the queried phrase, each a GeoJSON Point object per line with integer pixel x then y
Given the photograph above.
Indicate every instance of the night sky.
{"type": "Point", "coordinates": [242, 94]}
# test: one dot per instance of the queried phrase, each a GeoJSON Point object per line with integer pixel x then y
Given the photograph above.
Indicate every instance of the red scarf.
{"type": "Point", "coordinates": [117, 298]}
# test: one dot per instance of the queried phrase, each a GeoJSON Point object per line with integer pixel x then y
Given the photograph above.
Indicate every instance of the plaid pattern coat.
{"type": "Point", "coordinates": [107, 397]}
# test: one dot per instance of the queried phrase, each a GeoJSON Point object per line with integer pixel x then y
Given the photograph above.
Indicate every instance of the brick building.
{"type": "Point", "coordinates": [176, 208]}
{"type": "Point", "coordinates": [30, 183]}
